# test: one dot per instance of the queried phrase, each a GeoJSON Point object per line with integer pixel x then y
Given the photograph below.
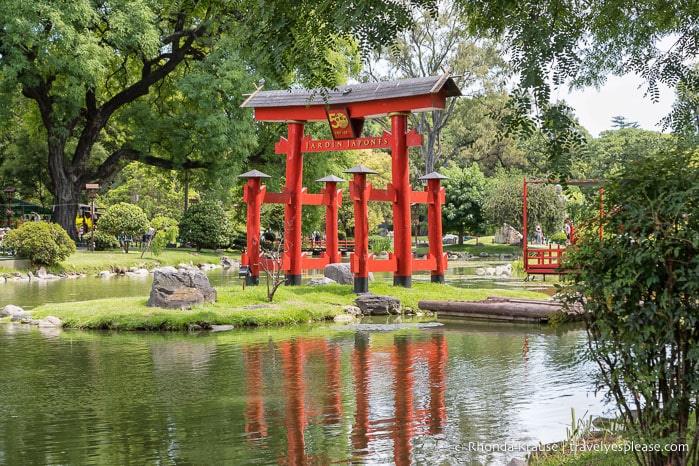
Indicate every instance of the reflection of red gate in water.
{"type": "Point", "coordinates": [405, 357]}
{"type": "Point", "coordinates": [547, 259]}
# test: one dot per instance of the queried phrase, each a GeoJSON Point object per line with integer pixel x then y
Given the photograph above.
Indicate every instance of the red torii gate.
{"type": "Point", "coordinates": [346, 109]}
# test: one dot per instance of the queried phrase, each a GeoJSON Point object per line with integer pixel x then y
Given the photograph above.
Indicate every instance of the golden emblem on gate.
{"type": "Point", "coordinates": [340, 123]}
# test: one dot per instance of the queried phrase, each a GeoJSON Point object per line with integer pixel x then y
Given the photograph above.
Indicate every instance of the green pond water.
{"type": "Point", "coordinates": [463, 393]}
{"type": "Point", "coordinates": [459, 394]}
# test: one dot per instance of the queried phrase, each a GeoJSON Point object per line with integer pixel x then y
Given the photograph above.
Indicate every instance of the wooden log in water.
{"type": "Point", "coordinates": [503, 309]}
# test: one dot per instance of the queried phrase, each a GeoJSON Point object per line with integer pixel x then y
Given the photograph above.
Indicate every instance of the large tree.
{"type": "Point", "coordinates": [614, 150]}
{"type": "Point", "coordinates": [161, 81]}
{"type": "Point", "coordinates": [504, 204]}
{"type": "Point", "coordinates": [129, 76]}
{"type": "Point", "coordinates": [438, 41]}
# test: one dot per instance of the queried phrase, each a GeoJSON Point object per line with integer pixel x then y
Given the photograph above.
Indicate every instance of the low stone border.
{"type": "Point", "coordinates": [17, 314]}
{"type": "Point", "coordinates": [42, 274]}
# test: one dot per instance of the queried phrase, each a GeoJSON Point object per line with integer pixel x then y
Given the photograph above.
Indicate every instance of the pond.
{"type": "Point", "coordinates": [457, 394]}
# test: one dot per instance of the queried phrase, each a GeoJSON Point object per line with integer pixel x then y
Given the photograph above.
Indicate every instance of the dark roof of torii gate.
{"type": "Point", "coordinates": [363, 100]}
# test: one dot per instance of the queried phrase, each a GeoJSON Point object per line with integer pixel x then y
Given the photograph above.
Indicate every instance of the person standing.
{"type": "Point", "coordinates": [538, 235]}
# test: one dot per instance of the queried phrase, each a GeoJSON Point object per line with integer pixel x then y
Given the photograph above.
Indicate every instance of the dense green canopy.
{"type": "Point", "coordinates": [161, 82]}
{"type": "Point", "coordinates": [101, 84]}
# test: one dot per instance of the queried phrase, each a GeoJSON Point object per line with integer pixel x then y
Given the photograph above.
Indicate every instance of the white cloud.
{"type": "Point", "coordinates": [620, 96]}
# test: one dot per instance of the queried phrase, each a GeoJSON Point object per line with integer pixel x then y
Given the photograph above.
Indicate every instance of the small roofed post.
{"type": "Point", "coordinates": [253, 195]}
{"type": "Point", "coordinates": [359, 194]}
{"type": "Point", "coordinates": [332, 198]}
{"type": "Point", "coordinates": [435, 199]}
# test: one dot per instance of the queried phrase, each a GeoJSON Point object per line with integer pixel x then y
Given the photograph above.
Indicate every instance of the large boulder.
{"type": "Point", "coordinates": [11, 310]}
{"type": "Point", "coordinates": [507, 235]}
{"type": "Point", "coordinates": [341, 273]}
{"type": "Point", "coordinates": [378, 305]}
{"type": "Point", "coordinates": [321, 281]}
{"type": "Point", "coordinates": [180, 289]}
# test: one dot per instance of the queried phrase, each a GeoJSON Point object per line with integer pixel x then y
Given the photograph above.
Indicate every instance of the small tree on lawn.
{"type": "Point", "coordinates": [465, 193]}
{"type": "Point", "coordinates": [640, 288]}
{"type": "Point", "coordinates": [166, 232]}
{"type": "Point", "coordinates": [124, 221]}
{"type": "Point", "coordinates": [40, 242]}
{"type": "Point", "coordinates": [272, 267]}
{"type": "Point", "coordinates": [205, 225]}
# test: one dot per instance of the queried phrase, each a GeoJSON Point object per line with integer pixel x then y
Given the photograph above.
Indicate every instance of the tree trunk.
{"type": "Point", "coordinates": [66, 189]}
{"type": "Point", "coordinates": [65, 213]}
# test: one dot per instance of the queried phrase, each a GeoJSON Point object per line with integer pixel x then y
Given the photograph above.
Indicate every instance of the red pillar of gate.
{"type": "Point", "coordinates": [293, 210]}
{"type": "Point", "coordinates": [253, 195]}
{"type": "Point", "coordinates": [359, 193]}
{"type": "Point", "coordinates": [401, 206]}
{"type": "Point", "coordinates": [435, 199]}
{"type": "Point", "coordinates": [332, 198]}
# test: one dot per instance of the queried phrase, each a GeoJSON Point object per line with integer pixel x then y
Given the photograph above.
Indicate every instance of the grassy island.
{"type": "Point", "coordinates": [237, 306]}
{"type": "Point", "coordinates": [248, 307]}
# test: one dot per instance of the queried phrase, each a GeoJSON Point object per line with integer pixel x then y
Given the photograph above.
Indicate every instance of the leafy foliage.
{"type": "Point", "coordinates": [553, 44]}
{"type": "Point", "coordinates": [465, 193]}
{"type": "Point", "coordinates": [158, 192]}
{"type": "Point", "coordinates": [640, 287]}
{"type": "Point", "coordinates": [166, 232]}
{"type": "Point", "coordinates": [476, 134]}
{"type": "Point", "coordinates": [614, 150]}
{"type": "Point", "coordinates": [40, 242]}
{"type": "Point", "coordinates": [105, 241]}
{"type": "Point", "coordinates": [205, 225]}
{"type": "Point", "coordinates": [124, 221]}
{"type": "Point", "coordinates": [437, 40]}
{"type": "Point", "coordinates": [545, 206]}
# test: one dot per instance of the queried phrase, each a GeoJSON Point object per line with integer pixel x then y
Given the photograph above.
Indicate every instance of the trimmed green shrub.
{"type": "Point", "coordinates": [205, 224]}
{"type": "Point", "coordinates": [558, 238]}
{"type": "Point", "coordinates": [105, 241]}
{"type": "Point", "coordinates": [40, 242]}
{"type": "Point", "coordinates": [125, 221]}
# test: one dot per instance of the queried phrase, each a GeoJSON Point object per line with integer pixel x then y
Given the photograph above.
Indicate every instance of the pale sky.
{"type": "Point", "coordinates": [619, 96]}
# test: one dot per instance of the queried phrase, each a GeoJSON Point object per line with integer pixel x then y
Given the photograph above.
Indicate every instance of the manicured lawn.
{"type": "Point", "coordinates": [476, 246]}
